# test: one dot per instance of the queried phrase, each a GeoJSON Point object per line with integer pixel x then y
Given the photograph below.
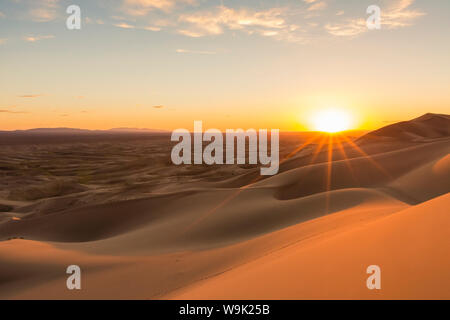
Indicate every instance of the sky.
{"type": "Point", "coordinates": [232, 64]}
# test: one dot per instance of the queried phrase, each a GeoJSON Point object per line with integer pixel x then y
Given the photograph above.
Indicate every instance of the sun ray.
{"type": "Point", "coordinates": [346, 159]}
{"type": "Point", "coordinates": [368, 157]}
{"type": "Point", "coordinates": [329, 168]}
{"type": "Point", "coordinates": [318, 149]}
{"type": "Point", "coordinates": [300, 148]}
{"type": "Point", "coordinates": [241, 189]}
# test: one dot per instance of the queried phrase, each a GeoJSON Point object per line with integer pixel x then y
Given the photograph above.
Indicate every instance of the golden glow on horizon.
{"type": "Point", "coordinates": [331, 121]}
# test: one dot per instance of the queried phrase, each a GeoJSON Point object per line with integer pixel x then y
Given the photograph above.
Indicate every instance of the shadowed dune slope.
{"type": "Point", "coordinates": [428, 126]}
{"type": "Point", "coordinates": [249, 214]}
{"type": "Point", "coordinates": [368, 171]}
{"type": "Point", "coordinates": [210, 217]}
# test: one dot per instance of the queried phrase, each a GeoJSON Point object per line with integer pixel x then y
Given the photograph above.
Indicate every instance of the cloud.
{"type": "Point", "coordinates": [118, 18]}
{"type": "Point", "coordinates": [143, 7]}
{"type": "Point", "coordinates": [214, 22]}
{"type": "Point", "coordinates": [158, 107]}
{"type": "Point", "coordinates": [3, 41]}
{"type": "Point", "coordinates": [30, 96]}
{"type": "Point", "coordinates": [270, 23]}
{"type": "Point", "coordinates": [396, 15]}
{"type": "Point", "coordinates": [2, 15]}
{"type": "Point", "coordinates": [124, 25]}
{"type": "Point", "coordinates": [298, 21]}
{"type": "Point", "coordinates": [37, 38]}
{"type": "Point", "coordinates": [43, 10]}
{"type": "Point", "coordinates": [194, 51]}
{"type": "Point", "coordinates": [315, 6]}
{"type": "Point", "coordinates": [151, 28]}
{"type": "Point", "coordinates": [399, 15]}
{"type": "Point", "coordinates": [349, 28]}
{"type": "Point", "coordinates": [88, 20]}
{"type": "Point", "coordinates": [190, 33]}
{"type": "Point", "coordinates": [9, 111]}
{"type": "Point", "coordinates": [42, 15]}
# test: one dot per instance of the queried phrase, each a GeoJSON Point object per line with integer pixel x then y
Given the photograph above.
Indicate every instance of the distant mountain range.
{"type": "Point", "coordinates": [83, 131]}
{"type": "Point", "coordinates": [73, 135]}
{"type": "Point", "coordinates": [428, 126]}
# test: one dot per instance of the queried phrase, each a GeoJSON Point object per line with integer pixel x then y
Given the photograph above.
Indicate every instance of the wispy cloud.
{"type": "Point", "coordinates": [395, 15]}
{"type": "Point", "coordinates": [315, 6]}
{"type": "Point", "coordinates": [43, 10]}
{"type": "Point", "coordinates": [214, 22]}
{"type": "Point", "coordinates": [399, 14]}
{"type": "Point", "coordinates": [2, 15]}
{"type": "Point", "coordinates": [3, 41]}
{"type": "Point", "coordinates": [88, 20]}
{"type": "Point", "coordinates": [120, 18]}
{"type": "Point", "coordinates": [280, 23]}
{"type": "Point", "coordinates": [9, 111]}
{"type": "Point", "coordinates": [152, 28]}
{"type": "Point", "coordinates": [37, 38]}
{"type": "Point", "coordinates": [31, 96]}
{"type": "Point", "coordinates": [269, 23]}
{"type": "Point", "coordinates": [296, 21]}
{"type": "Point", "coordinates": [349, 28]}
{"type": "Point", "coordinates": [124, 25]}
{"type": "Point", "coordinates": [143, 7]}
{"type": "Point", "coordinates": [190, 33]}
{"type": "Point", "coordinates": [194, 51]}
{"type": "Point", "coordinates": [158, 107]}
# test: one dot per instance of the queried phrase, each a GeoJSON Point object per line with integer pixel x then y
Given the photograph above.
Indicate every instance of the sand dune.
{"type": "Point", "coordinates": [153, 274]}
{"type": "Point", "coordinates": [411, 247]}
{"type": "Point", "coordinates": [364, 171]}
{"type": "Point", "coordinates": [428, 126]}
{"type": "Point", "coordinates": [142, 228]}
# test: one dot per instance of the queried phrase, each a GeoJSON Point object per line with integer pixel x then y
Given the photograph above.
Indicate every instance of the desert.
{"type": "Point", "coordinates": [140, 227]}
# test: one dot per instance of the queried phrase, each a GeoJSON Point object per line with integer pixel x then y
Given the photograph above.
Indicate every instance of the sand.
{"type": "Point", "coordinates": [411, 247]}
{"type": "Point", "coordinates": [141, 228]}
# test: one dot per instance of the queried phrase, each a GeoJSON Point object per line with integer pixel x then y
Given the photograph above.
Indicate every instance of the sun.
{"type": "Point", "coordinates": [331, 121]}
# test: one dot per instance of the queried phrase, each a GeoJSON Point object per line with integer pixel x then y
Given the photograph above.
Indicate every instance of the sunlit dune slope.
{"type": "Point", "coordinates": [411, 247]}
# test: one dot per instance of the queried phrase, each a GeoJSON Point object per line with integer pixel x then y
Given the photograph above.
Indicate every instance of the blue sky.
{"type": "Point", "coordinates": [229, 63]}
